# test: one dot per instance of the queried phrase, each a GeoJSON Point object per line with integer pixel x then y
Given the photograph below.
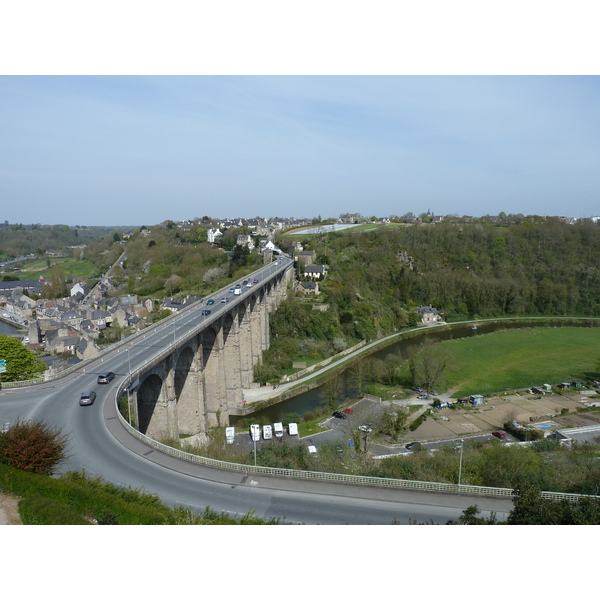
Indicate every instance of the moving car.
{"type": "Point", "coordinates": [413, 445]}
{"type": "Point", "coordinates": [211, 301]}
{"type": "Point", "coordinates": [338, 414]}
{"type": "Point", "coordinates": [87, 398]}
{"type": "Point", "coordinates": [205, 312]}
{"type": "Point", "coordinates": [231, 290]}
{"type": "Point", "coordinates": [106, 377]}
{"type": "Point", "coordinates": [499, 434]}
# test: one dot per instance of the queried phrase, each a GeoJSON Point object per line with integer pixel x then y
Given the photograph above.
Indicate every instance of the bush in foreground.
{"type": "Point", "coordinates": [32, 446]}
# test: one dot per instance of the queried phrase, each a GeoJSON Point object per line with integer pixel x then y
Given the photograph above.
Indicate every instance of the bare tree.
{"type": "Point", "coordinates": [431, 365]}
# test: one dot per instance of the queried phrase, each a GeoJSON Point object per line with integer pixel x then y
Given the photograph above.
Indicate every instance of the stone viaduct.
{"type": "Point", "coordinates": [199, 382]}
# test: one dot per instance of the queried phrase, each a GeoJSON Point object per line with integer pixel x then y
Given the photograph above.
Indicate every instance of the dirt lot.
{"type": "Point", "coordinates": [9, 514]}
{"type": "Point", "coordinates": [523, 408]}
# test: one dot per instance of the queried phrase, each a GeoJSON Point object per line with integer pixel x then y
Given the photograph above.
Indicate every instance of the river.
{"type": "Point", "coordinates": [318, 397]}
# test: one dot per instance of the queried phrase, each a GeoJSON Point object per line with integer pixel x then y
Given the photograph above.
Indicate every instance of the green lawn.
{"type": "Point", "coordinates": [34, 269]}
{"type": "Point", "coordinates": [518, 359]}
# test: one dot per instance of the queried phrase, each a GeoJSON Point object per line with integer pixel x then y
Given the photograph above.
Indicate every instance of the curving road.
{"type": "Point", "coordinates": [100, 446]}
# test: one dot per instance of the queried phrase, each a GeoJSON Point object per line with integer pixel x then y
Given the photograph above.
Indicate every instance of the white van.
{"type": "Point", "coordinates": [230, 435]}
{"type": "Point", "coordinates": [255, 432]}
{"type": "Point", "coordinates": [293, 428]}
{"type": "Point", "coordinates": [278, 429]}
{"type": "Point", "coordinates": [267, 432]}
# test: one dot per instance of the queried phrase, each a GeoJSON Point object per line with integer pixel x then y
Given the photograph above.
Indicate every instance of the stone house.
{"type": "Point", "coordinates": [307, 287]}
{"type": "Point", "coordinates": [429, 315]}
{"type": "Point", "coordinates": [315, 271]}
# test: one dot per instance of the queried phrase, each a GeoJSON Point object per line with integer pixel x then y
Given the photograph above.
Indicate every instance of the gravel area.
{"type": "Point", "coordinates": [9, 513]}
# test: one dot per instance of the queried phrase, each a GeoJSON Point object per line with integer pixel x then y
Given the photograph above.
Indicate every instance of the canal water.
{"type": "Point", "coordinates": [348, 390]}
{"type": "Point", "coordinates": [6, 329]}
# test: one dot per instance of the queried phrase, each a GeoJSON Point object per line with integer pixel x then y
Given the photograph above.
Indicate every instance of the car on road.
{"type": "Point", "coordinates": [348, 411]}
{"type": "Point", "coordinates": [211, 301]}
{"type": "Point", "coordinates": [421, 396]}
{"type": "Point", "coordinates": [231, 290]}
{"type": "Point", "coordinates": [413, 445]}
{"type": "Point", "coordinates": [237, 285]}
{"type": "Point", "coordinates": [106, 377]}
{"type": "Point", "coordinates": [255, 281]}
{"type": "Point", "coordinates": [205, 312]}
{"type": "Point", "coordinates": [87, 398]}
{"type": "Point", "coordinates": [338, 414]}
{"type": "Point", "coordinates": [245, 282]}
{"type": "Point", "coordinates": [499, 434]}
{"type": "Point", "coordinates": [223, 299]}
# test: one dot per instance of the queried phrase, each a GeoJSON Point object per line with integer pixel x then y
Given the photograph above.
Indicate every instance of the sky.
{"type": "Point", "coordinates": [132, 150]}
{"type": "Point", "coordinates": [223, 114]}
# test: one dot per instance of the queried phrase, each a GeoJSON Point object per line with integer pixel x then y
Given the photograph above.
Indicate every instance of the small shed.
{"type": "Point", "coordinates": [476, 399]}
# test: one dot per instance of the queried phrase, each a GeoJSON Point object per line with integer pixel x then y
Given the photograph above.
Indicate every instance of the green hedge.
{"type": "Point", "coordinates": [76, 499]}
{"type": "Point", "coordinates": [38, 510]}
{"type": "Point", "coordinates": [523, 434]}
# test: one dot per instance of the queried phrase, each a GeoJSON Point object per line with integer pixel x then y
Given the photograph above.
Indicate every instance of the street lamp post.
{"type": "Point", "coordinates": [129, 386]}
{"type": "Point", "coordinates": [460, 462]}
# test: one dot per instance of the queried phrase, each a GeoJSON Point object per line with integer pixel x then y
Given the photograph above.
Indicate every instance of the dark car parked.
{"type": "Point", "coordinates": [413, 445]}
{"type": "Point", "coordinates": [106, 377]}
{"type": "Point", "coordinates": [338, 414]}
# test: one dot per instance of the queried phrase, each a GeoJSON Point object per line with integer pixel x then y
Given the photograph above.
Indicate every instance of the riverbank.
{"type": "Point", "coordinates": [258, 398]}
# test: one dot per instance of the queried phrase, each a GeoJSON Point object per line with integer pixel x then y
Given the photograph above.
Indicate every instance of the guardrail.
{"type": "Point", "coordinates": [406, 484]}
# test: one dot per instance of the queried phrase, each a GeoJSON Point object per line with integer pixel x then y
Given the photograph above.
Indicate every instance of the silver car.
{"type": "Point", "coordinates": [87, 398]}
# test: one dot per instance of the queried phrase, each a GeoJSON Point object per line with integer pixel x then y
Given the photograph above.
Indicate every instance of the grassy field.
{"type": "Point", "coordinates": [518, 359]}
{"type": "Point", "coordinates": [70, 266]}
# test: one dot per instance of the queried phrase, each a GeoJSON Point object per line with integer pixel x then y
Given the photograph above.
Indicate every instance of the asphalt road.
{"type": "Point", "coordinates": [99, 446]}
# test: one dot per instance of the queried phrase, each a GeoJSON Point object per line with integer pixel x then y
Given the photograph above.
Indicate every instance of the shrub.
{"type": "Point", "coordinates": [32, 446]}
{"type": "Point", "coordinates": [523, 433]}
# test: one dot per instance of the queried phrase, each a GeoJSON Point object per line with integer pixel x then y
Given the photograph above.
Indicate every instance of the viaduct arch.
{"type": "Point", "coordinates": [199, 382]}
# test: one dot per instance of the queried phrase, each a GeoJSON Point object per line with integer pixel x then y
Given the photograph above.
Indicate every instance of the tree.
{"type": "Point", "coordinates": [21, 363]}
{"type": "Point", "coordinates": [394, 423]}
{"type": "Point", "coordinates": [430, 365]}
{"type": "Point", "coordinates": [32, 446]}
{"type": "Point", "coordinates": [57, 288]}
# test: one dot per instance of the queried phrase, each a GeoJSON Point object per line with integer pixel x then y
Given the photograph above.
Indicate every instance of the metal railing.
{"type": "Point", "coordinates": [406, 484]}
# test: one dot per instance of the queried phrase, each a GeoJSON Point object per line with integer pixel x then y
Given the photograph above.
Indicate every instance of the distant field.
{"type": "Point", "coordinates": [517, 359]}
{"type": "Point", "coordinates": [34, 269]}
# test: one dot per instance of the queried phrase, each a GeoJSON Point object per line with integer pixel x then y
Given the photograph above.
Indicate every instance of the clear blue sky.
{"type": "Point", "coordinates": [120, 150]}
